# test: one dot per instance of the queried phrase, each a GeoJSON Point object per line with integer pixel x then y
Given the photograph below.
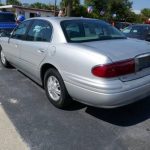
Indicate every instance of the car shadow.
{"type": "Point", "coordinates": [10, 67]}
{"type": "Point", "coordinates": [75, 106]}
{"type": "Point", "coordinates": [72, 107]}
{"type": "Point", "coordinates": [123, 116]}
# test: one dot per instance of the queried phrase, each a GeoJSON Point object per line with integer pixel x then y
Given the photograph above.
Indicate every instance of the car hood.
{"type": "Point", "coordinates": [120, 49]}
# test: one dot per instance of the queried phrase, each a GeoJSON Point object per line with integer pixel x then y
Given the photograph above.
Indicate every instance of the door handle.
{"type": "Point", "coordinates": [40, 50]}
{"type": "Point", "coordinates": [16, 45]}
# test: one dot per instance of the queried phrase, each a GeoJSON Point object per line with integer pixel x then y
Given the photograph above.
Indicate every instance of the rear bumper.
{"type": "Point", "coordinates": [106, 100]}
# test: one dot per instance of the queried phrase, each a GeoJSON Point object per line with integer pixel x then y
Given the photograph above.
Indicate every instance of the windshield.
{"type": "Point", "coordinates": [127, 30]}
{"type": "Point", "coordinates": [89, 30]}
{"type": "Point", "coordinates": [6, 17]}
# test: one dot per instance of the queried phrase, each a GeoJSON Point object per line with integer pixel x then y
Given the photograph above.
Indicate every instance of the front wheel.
{"type": "Point", "coordinates": [3, 59]}
{"type": "Point", "coordinates": [55, 89]}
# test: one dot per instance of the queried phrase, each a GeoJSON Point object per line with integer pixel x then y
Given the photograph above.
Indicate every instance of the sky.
{"type": "Point", "coordinates": [137, 4]}
{"type": "Point", "coordinates": [140, 4]}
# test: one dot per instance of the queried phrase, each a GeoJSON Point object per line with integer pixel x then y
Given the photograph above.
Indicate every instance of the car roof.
{"type": "Point", "coordinates": [141, 25]}
{"type": "Point", "coordinates": [59, 19]}
{"type": "Point", "coordinates": [123, 22]}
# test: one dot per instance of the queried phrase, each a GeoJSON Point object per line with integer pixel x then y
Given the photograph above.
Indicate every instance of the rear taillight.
{"type": "Point", "coordinates": [115, 69]}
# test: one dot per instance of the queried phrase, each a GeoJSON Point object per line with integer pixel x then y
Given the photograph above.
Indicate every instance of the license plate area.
{"type": "Point", "coordinates": [143, 62]}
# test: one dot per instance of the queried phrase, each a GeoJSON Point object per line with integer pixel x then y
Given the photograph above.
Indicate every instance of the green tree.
{"type": "Point", "coordinates": [77, 9]}
{"type": "Point", "coordinates": [13, 2]}
{"type": "Point", "coordinates": [43, 6]}
{"type": "Point", "coordinates": [39, 5]}
{"type": "Point", "coordinates": [146, 12]}
{"type": "Point", "coordinates": [119, 7]}
{"type": "Point", "coordinates": [122, 8]}
{"type": "Point", "coordinates": [69, 7]}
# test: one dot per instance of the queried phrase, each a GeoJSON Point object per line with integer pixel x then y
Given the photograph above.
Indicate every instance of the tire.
{"type": "Point", "coordinates": [3, 59]}
{"type": "Point", "coordinates": [56, 90]}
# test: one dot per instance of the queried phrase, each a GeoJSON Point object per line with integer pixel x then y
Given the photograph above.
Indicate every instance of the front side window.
{"type": "Point", "coordinates": [127, 30]}
{"type": "Point", "coordinates": [89, 30]}
{"type": "Point", "coordinates": [40, 31]}
{"type": "Point", "coordinates": [20, 31]}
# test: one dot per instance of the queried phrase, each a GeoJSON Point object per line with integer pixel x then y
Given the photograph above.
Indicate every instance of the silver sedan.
{"type": "Point", "coordinates": [82, 59]}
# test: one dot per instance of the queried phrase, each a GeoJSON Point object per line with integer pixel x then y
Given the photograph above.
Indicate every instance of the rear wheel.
{"type": "Point", "coordinates": [55, 89]}
{"type": "Point", "coordinates": [3, 59]}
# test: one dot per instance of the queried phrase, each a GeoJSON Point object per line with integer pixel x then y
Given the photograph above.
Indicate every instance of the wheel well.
{"type": "Point", "coordinates": [44, 68]}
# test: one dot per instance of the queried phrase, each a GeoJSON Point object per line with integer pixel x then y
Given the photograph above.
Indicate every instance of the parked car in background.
{"type": "Point", "coordinates": [121, 25]}
{"type": "Point", "coordinates": [7, 23]}
{"type": "Point", "coordinates": [138, 31]}
{"type": "Point", "coordinates": [86, 59]}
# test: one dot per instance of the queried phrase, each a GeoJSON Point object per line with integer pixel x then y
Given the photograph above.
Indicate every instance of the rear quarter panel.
{"type": "Point", "coordinates": [75, 63]}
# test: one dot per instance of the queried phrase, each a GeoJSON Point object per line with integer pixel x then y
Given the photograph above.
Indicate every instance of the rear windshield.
{"type": "Point", "coordinates": [6, 17]}
{"type": "Point", "coordinates": [85, 30]}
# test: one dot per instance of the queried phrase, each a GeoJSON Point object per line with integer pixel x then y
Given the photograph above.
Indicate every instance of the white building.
{"type": "Point", "coordinates": [26, 11]}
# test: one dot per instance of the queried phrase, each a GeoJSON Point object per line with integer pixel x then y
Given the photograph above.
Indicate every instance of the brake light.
{"type": "Point", "coordinates": [115, 69]}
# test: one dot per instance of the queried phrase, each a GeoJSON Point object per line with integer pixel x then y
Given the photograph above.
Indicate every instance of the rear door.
{"type": "Point", "coordinates": [34, 49]}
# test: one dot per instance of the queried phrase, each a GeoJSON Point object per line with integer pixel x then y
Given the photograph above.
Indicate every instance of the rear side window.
{"type": "Point", "coordinates": [6, 17]}
{"type": "Point", "coordinates": [20, 31]}
{"type": "Point", "coordinates": [40, 31]}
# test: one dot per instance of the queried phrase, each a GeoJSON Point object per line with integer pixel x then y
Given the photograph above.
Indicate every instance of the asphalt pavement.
{"type": "Point", "coordinates": [28, 121]}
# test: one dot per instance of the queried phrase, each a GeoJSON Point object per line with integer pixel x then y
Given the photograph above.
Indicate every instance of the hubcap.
{"type": "Point", "coordinates": [53, 87]}
{"type": "Point", "coordinates": [3, 59]}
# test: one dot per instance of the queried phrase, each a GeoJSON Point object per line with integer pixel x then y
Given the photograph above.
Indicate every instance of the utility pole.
{"type": "Point", "coordinates": [69, 8]}
{"type": "Point", "coordinates": [55, 5]}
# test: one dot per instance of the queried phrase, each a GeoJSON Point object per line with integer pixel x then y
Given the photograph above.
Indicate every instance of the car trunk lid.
{"type": "Point", "coordinates": [118, 50]}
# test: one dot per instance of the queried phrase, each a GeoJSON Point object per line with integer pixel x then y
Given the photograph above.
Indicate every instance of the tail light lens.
{"type": "Point", "coordinates": [115, 69]}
